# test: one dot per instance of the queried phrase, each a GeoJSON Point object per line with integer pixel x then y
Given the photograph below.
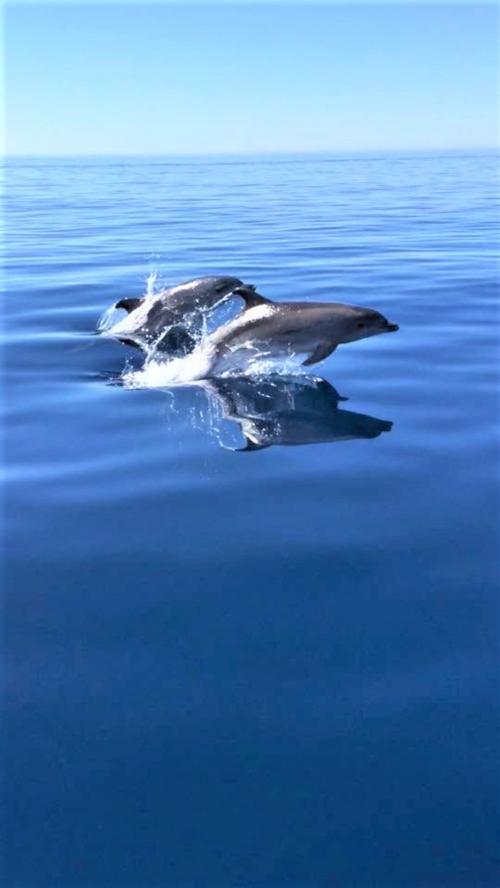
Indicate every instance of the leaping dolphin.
{"type": "Point", "coordinates": [283, 328]}
{"type": "Point", "coordinates": [171, 319]}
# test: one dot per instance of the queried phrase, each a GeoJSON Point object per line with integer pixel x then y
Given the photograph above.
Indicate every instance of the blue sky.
{"type": "Point", "coordinates": [170, 78]}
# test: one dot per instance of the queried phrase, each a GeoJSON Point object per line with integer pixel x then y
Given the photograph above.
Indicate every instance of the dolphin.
{"type": "Point", "coordinates": [172, 319]}
{"type": "Point", "coordinates": [280, 410]}
{"type": "Point", "coordinates": [269, 328]}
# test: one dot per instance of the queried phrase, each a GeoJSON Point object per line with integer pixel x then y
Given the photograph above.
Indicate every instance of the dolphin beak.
{"type": "Point", "coordinates": [392, 328]}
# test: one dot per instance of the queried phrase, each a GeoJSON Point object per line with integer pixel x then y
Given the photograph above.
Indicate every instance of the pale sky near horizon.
{"type": "Point", "coordinates": [169, 78]}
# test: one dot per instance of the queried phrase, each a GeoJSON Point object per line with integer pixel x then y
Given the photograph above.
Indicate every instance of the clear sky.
{"type": "Point", "coordinates": [170, 78]}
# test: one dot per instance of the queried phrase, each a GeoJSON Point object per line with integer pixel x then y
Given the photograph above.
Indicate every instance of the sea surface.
{"type": "Point", "coordinates": [251, 626]}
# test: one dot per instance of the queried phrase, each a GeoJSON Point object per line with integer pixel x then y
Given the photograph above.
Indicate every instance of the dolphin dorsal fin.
{"type": "Point", "coordinates": [250, 296]}
{"type": "Point", "coordinates": [129, 304]}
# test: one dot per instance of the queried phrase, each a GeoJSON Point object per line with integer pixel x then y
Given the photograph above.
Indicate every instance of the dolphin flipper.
{"type": "Point", "coordinates": [320, 353]}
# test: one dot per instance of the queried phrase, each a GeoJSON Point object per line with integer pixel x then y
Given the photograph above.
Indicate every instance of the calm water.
{"type": "Point", "coordinates": [266, 667]}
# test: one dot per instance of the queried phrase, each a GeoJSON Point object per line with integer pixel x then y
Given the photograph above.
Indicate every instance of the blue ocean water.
{"type": "Point", "coordinates": [267, 666]}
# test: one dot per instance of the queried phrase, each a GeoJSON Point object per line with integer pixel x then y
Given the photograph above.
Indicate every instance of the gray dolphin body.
{"type": "Point", "coordinates": [277, 328]}
{"type": "Point", "coordinates": [171, 319]}
{"type": "Point", "coordinates": [290, 411]}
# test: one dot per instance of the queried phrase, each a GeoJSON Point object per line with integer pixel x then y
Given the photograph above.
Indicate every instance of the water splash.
{"type": "Point", "coordinates": [112, 319]}
{"type": "Point", "coordinates": [196, 366]}
{"type": "Point", "coordinates": [108, 319]}
{"type": "Point", "coordinates": [161, 374]}
{"type": "Point", "coordinates": [151, 283]}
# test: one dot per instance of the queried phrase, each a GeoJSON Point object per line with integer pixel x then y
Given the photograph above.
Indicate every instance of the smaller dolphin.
{"type": "Point", "coordinates": [171, 319]}
{"type": "Point", "coordinates": [283, 328]}
{"type": "Point", "coordinates": [281, 410]}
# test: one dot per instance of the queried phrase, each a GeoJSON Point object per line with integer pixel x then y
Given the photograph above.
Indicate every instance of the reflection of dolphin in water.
{"type": "Point", "coordinates": [289, 411]}
{"type": "Point", "coordinates": [172, 319]}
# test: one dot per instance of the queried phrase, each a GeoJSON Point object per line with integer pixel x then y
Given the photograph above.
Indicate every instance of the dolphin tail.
{"type": "Point", "coordinates": [129, 304]}
{"type": "Point", "coordinates": [250, 296]}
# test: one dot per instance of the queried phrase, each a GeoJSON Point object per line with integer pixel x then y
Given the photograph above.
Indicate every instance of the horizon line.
{"type": "Point", "coordinates": [6, 155]}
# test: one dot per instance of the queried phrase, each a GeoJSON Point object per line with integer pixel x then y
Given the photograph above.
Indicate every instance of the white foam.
{"type": "Point", "coordinates": [198, 366]}
{"type": "Point", "coordinates": [177, 371]}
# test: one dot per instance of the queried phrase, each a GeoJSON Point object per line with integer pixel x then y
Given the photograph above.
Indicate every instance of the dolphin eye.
{"type": "Point", "coordinates": [360, 325]}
